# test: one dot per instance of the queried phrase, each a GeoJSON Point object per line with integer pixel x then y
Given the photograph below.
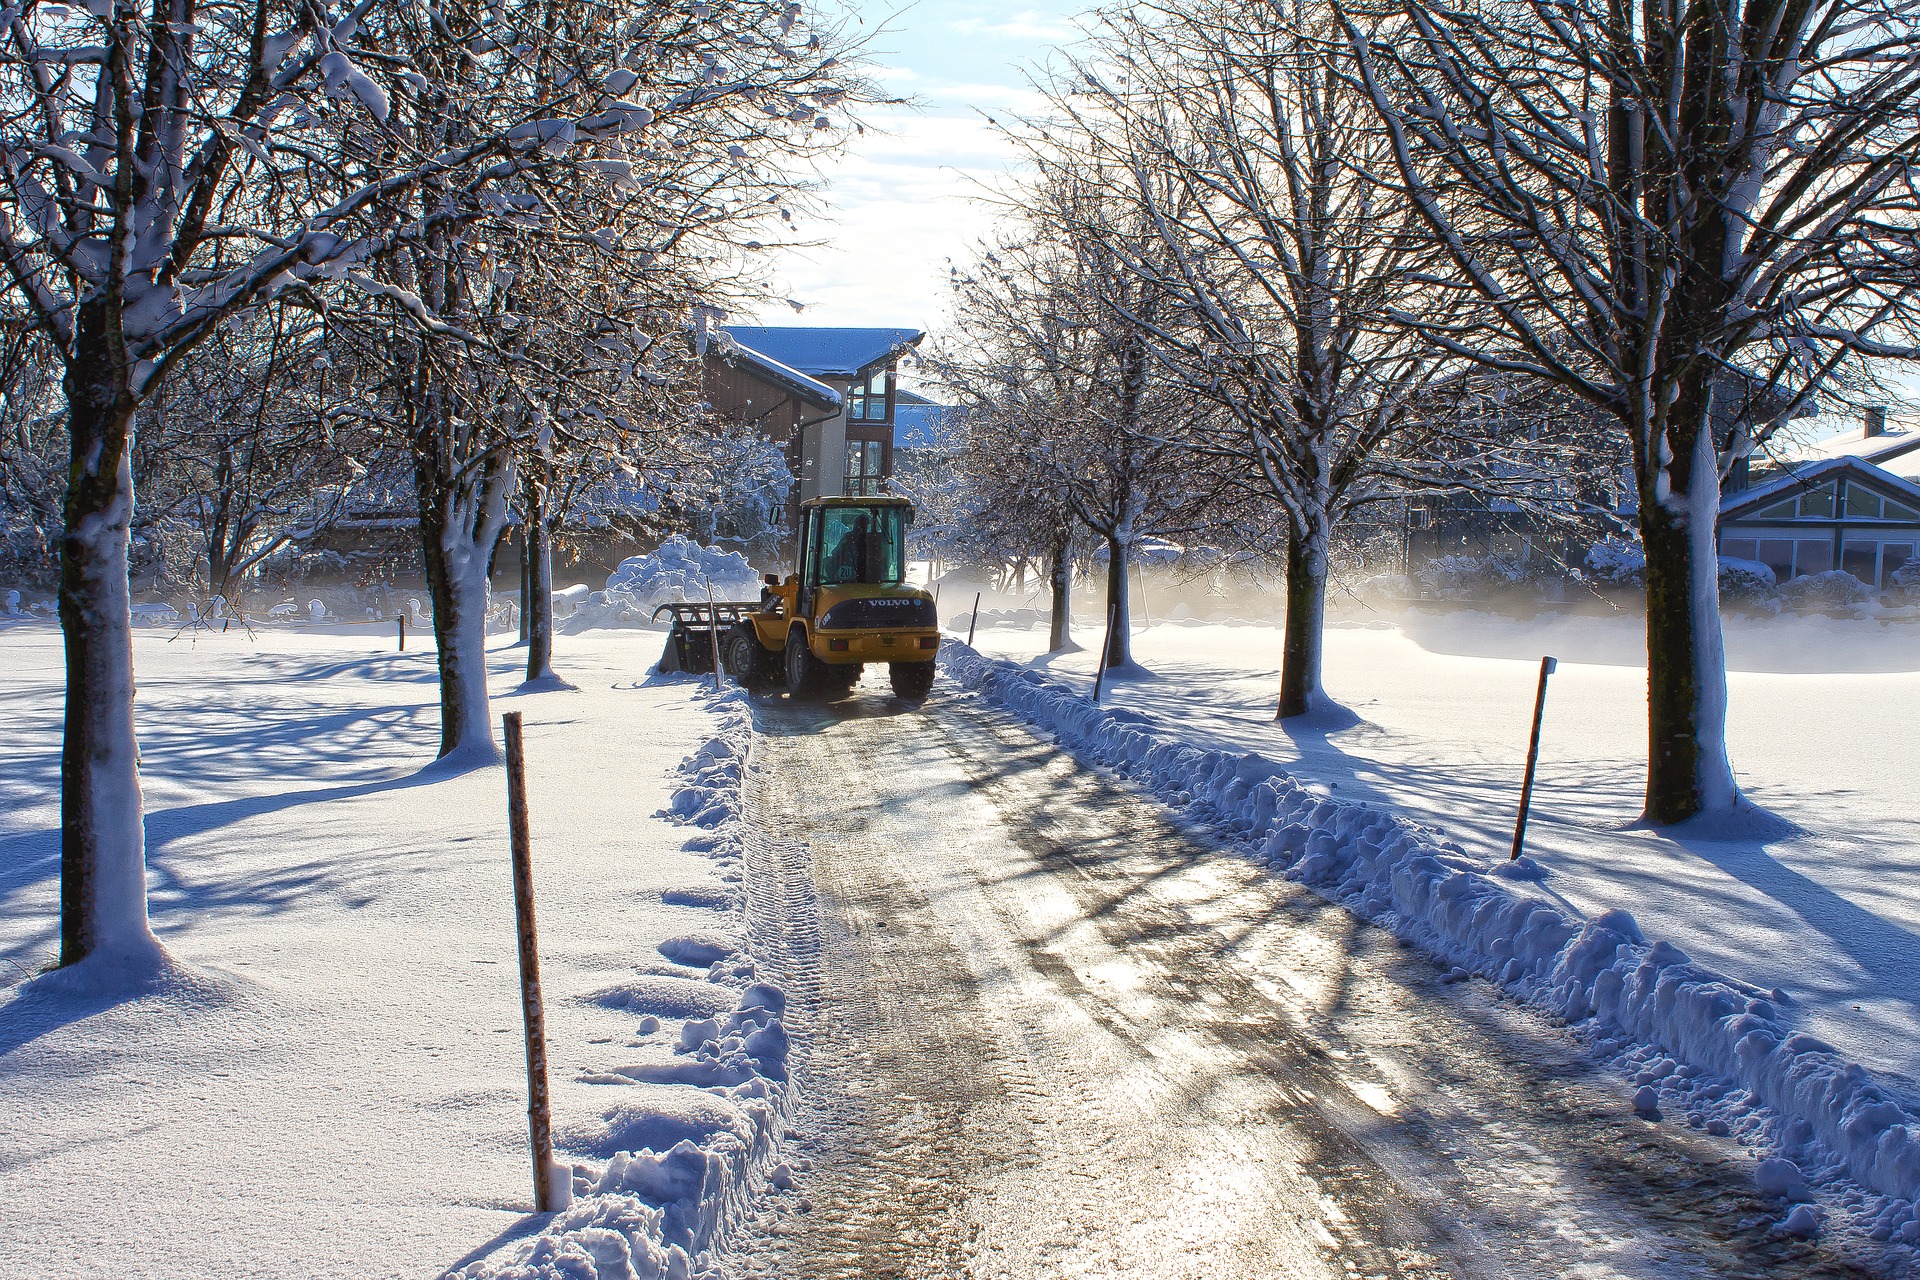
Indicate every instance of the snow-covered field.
{"type": "Point", "coordinates": [333, 1085]}
{"type": "Point", "coordinates": [1696, 962]}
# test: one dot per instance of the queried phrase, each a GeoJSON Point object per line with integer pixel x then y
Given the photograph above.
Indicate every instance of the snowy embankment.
{"type": "Point", "coordinates": [1696, 1043]}
{"type": "Point", "coordinates": [695, 1135]}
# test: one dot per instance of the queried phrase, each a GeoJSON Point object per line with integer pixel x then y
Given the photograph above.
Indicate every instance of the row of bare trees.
{"type": "Point", "coordinates": [1367, 251]}
{"type": "Point", "coordinates": [467, 236]}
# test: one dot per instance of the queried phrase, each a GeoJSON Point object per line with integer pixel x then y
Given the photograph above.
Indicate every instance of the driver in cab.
{"type": "Point", "coordinates": [852, 557]}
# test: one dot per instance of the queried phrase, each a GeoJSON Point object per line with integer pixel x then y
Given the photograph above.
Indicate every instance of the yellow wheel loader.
{"type": "Point", "coordinates": [849, 605]}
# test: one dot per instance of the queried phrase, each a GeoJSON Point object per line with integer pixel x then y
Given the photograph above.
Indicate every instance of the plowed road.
{"type": "Point", "coordinates": [1043, 1031]}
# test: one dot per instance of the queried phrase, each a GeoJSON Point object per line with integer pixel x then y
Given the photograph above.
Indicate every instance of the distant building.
{"type": "Point", "coordinates": [1850, 501]}
{"type": "Point", "coordinates": [827, 394]}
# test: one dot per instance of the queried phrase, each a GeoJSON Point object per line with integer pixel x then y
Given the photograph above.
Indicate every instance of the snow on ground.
{"type": "Point", "coordinates": [333, 1084]}
{"type": "Point", "coordinates": [1816, 895]}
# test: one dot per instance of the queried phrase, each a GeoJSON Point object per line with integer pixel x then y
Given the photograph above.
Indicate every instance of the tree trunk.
{"type": "Point", "coordinates": [539, 591]}
{"type": "Point", "coordinates": [1120, 634]}
{"type": "Point", "coordinates": [1688, 770]}
{"type": "Point", "coordinates": [526, 580]}
{"type": "Point", "coordinates": [1300, 690]}
{"type": "Point", "coordinates": [103, 874]}
{"type": "Point", "coordinates": [462, 515]}
{"type": "Point", "coordinates": [1060, 577]}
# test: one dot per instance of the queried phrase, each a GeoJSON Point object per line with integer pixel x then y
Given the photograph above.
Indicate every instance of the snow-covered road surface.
{"type": "Point", "coordinates": [1044, 1032]}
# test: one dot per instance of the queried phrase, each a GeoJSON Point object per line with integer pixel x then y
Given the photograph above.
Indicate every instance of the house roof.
{"type": "Point", "coordinates": [1897, 449]}
{"type": "Point", "coordinates": [812, 390]}
{"type": "Point", "coordinates": [825, 352]}
{"type": "Point", "coordinates": [919, 423]}
{"type": "Point", "coordinates": [1802, 476]}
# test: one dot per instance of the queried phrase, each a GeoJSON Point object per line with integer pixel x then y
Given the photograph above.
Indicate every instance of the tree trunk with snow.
{"type": "Point", "coordinates": [526, 584]}
{"type": "Point", "coordinates": [1120, 635]}
{"type": "Point", "coordinates": [463, 506]}
{"type": "Point", "coordinates": [1688, 769]}
{"type": "Point", "coordinates": [103, 875]}
{"type": "Point", "coordinates": [539, 588]}
{"type": "Point", "coordinates": [1300, 691]}
{"type": "Point", "coordinates": [1060, 579]}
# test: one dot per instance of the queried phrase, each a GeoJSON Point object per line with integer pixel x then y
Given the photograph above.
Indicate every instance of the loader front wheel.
{"type": "Point", "coordinates": [805, 673]}
{"type": "Point", "coordinates": [746, 660]}
{"type": "Point", "coordinates": [911, 680]}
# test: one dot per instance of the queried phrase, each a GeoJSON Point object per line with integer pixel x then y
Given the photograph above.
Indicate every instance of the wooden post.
{"type": "Point", "coordinates": [539, 1117]}
{"type": "Point", "coordinates": [1547, 666]}
{"type": "Point", "coordinates": [401, 618]}
{"type": "Point", "coordinates": [713, 634]}
{"type": "Point", "coordinates": [976, 619]}
{"type": "Point", "coordinates": [1106, 647]}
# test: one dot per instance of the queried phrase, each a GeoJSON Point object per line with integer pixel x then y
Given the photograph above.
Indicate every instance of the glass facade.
{"type": "Point", "coordinates": [867, 401]}
{"type": "Point", "coordinates": [864, 477]}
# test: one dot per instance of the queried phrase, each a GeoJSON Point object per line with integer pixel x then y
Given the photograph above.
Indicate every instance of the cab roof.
{"type": "Point", "coordinates": [857, 502]}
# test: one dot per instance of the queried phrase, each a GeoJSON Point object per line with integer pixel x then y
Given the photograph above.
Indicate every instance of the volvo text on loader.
{"type": "Point", "coordinates": [848, 605]}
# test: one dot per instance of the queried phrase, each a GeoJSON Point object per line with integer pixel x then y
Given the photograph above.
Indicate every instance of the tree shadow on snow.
{"type": "Point", "coordinates": [1887, 952]}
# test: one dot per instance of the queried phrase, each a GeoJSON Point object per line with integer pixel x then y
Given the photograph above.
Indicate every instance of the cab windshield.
{"type": "Point", "coordinates": [859, 544]}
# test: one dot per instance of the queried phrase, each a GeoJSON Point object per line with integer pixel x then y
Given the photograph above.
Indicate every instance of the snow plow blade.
{"type": "Point", "coordinates": [697, 627]}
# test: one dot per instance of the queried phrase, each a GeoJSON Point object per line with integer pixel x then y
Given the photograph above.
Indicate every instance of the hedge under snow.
{"type": "Point", "coordinates": [1694, 1041]}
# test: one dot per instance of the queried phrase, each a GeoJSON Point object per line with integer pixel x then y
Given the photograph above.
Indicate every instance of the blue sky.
{"type": "Point", "coordinates": [902, 202]}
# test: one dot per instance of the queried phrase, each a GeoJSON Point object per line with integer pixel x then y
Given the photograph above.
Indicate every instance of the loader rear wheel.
{"type": "Point", "coordinates": [911, 679]}
{"type": "Point", "coordinates": [746, 660]}
{"type": "Point", "coordinates": [805, 673]}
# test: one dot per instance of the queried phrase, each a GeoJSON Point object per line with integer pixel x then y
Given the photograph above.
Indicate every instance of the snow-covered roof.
{"type": "Point", "coordinates": [1800, 477]}
{"type": "Point", "coordinates": [1898, 440]}
{"type": "Point", "coordinates": [825, 352]}
{"type": "Point", "coordinates": [780, 374]}
{"type": "Point", "coordinates": [919, 423]}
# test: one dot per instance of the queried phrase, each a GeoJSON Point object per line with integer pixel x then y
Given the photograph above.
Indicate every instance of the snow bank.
{"type": "Point", "coordinates": [1695, 1042]}
{"type": "Point", "coordinates": [680, 569]}
{"type": "Point", "coordinates": [696, 1132]}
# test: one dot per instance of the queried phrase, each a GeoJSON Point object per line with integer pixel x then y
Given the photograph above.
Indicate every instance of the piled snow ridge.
{"type": "Point", "coordinates": [1699, 1043]}
{"type": "Point", "coordinates": [680, 569]}
{"type": "Point", "coordinates": [691, 1140]}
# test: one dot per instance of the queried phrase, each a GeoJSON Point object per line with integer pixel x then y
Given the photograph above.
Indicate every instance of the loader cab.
{"type": "Point", "coordinates": [852, 542]}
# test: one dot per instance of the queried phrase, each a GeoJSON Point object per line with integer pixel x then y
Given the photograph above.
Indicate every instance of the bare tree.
{"type": "Point", "coordinates": [1238, 143]}
{"type": "Point", "coordinates": [1063, 326]}
{"type": "Point", "coordinates": [241, 451]}
{"type": "Point", "coordinates": [1659, 204]}
{"type": "Point", "coordinates": [998, 508]}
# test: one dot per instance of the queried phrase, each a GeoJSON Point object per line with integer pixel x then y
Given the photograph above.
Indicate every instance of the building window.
{"type": "Point", "coordinates": [867, 401]}
{"type": "Point", "coordinates": [864, 478]}
{"type": "Point", "coordinates": [1788, 557]}
{"type": "Point", "coordinates": [1874, 562]}
{"type": "Point", "coordinates": [1862, 504]}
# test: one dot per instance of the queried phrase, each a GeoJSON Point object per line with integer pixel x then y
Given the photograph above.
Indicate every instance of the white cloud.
{"type": "Point", "coordinates": [904, 205]}
{"type": "Point", "coordinates": [1028, 24]}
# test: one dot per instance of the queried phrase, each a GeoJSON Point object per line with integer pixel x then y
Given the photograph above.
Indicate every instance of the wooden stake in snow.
{"type": "Point", "coordinates": [713, 634]}
{"type": "Point", "coordinates": [1547, 666]}
{"type": "Point", "coordinates": [402, 620]}
{"type": "Point", "coordinates": [1100, 672]}
{"type": "Point", "coordinates": [976, 619]}
{"type": "Point", "coordinates": [548, 1194]}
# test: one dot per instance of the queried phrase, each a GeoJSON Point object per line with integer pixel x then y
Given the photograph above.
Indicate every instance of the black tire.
{"type": "Point", "coordinates": [911, 679]}
{"type": "Point", "coordinates": [841, 679]}
{"type": "Point", "coordinates": [805, 673]}
{"type": "Point", "coordinates": [745, 659]}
